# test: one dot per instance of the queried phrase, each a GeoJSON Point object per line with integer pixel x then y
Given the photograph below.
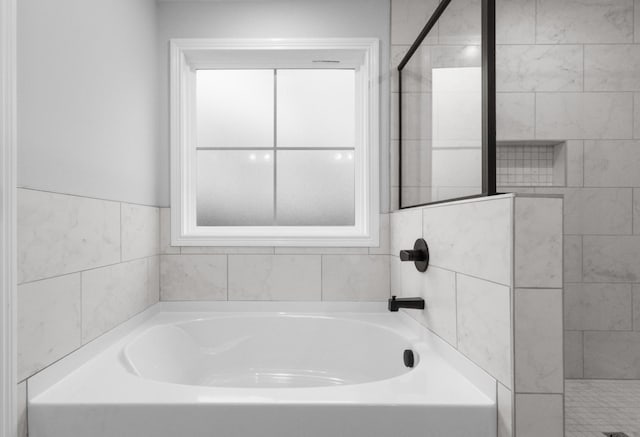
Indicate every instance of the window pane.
{"type": "Point", "coordinates": [316, 108]}
{"type": "Point", "coordinates": [235, 108]}
{"type": "Point", "coordinates": [315, 188]}
{"type": "Point", "coordinates": [235, 188]}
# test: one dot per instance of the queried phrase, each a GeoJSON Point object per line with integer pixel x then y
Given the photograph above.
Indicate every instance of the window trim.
{"type": "Point", "coordinates": [188, 54]}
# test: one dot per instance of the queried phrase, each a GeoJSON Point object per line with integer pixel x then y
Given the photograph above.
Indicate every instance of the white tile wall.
{"type": "Point", "coordinates": [75, 284]}
{"type": "Point", "coordinates": [579, 21]}
{"type": "Point", "coordinates": [60, 234]}
{"type": "Point", "coordinates": [521, 68]}
{"type": "Point", "coordinates": [611, 163]}
{"type": "Point", "coordinates": [573, 363]}
{"type": "Point", "coordinates": [488, 254]}
{"type": "Point", "coordinates": [538, 345]}
{"type": "Point", "coordinates": [611, 258]}
{"type": "Point", "coordinates": [140, 231]}
{"type": "Point", "coordinates": [280, 277]}
{"type": "Point", "coordinates": [22, 409]}
{"type": "Point", "coordinates": [612, 67]}
{"type": "Point", "coordinates": [515, 114]}
{"type": "Point", "coordinates": [49, 322]}
{"type": "Point", "coordinates": [584, 115]}
{"type": "Point", "coordinates": [598, 307]}
{"type": "Point", "coordinates": [437, 287]}
{"type": "Point", "coordinates": [353, 277]}
{"type": "Point", "coordinates": [515, 22]}
{"type": "Point", "coordinates": [111, 295]}
{"type": "Point", "coordinates": [539, 415]}
{"type": "Point", "coordinates": [484, 312]}
{"type": "Point", "coordinates": [612, 354]}
{"type": "Point", "coordinates": [505, 411]}
{"type": "Point", "coordinates": [538, 242]}
{"type": "Point", "coordinates": [193, 277]}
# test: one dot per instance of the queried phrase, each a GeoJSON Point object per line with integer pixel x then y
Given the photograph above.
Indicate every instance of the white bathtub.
{"type": "Point", "coordinates": [245, 370]}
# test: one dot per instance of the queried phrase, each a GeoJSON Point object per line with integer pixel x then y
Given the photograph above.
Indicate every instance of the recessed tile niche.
{"type": "Point", "coordinates": [531, 164]}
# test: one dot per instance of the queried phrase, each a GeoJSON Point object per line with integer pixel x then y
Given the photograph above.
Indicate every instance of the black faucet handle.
{"type": "Point", "coordinates": [419, 255]}
{"type": "Point", "coordinates": [412, 255]}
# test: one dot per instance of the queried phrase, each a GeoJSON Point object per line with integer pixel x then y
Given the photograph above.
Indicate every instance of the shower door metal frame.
{"type": "Point", "coordinates": [488, 62]}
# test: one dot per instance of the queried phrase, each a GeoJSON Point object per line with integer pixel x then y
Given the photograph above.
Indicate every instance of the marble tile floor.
{"type": "Point", "coordinates": [593, 407]}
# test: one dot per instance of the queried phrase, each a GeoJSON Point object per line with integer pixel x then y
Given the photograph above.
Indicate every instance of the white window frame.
{"type": "Point", "coordinates": [188, 55]}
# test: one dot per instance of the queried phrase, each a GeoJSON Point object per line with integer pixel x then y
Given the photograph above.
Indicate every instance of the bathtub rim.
{"type": "Point", "coordinates": [56, 372]}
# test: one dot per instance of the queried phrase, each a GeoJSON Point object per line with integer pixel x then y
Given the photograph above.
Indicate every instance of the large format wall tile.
{"type": "Point", "coordinates": [473, 238]}
{"type": "Point", "coordinates": [636, 113]}
{"type": "Point", "coordinates": [193, 277]}
{"type": "Point", "coordinates": [636, 210]}
{"type": "Point", "coordinates": [636, 307]}
{"type": "Point", "coordinates": [406, 228]}
{"type": "Point", "coordinates": [575, 163]}
{"type": "Point", "coordinates": [577, 116]}
{"type": "Point", "coordinates": [515, 21]}
{"type": "Point", "coordinates": [280, 277]}
{"type": "Point", "coordinates": [636, 20]}
{"type": "Point", "coordinates": [153, 275]}
{"type": "Point", "coordinates": [416, 163]}
{"type": "Point", "coordinates": [355, 277]}
{"type": "Point", "coordinates": [60, 234]}
{"type": "Point", "coordinates": [408, 17]}
{"type": "Point", "coordinates": [505, 411]}
{"type": "Point", "coordinates": [438, 288]}
{"type": "Point", "coordinates": [539, 415]}
{"type": "Point", "coordinates": [598, 307]}
{"type": "Point", "coordinates": [579, 21]}
{"type": "Point", "coordinates": [484, 325]}
{"type": "Point", "coordinates": [538, 347]}
{"type": "Point", "coordinates": [461, 23]}
{"type": "Point", "coordinates": [612, 355]}
{"type": "Point", "coordinates": [612, 68]}
{"type": "Point", "coordinates": [111, 295]}
{"type": "Point", "coordinates": [49, 324]}
{"type": "Point", "coordinates": [611, 258]}
{"type": "Point", "coordinates": [595, 211]}
{"type": "Point", "coordinates": [611, 163]}
{"type": "Point", "coordinates": [22, 409]}
{"type": "Point", "coordinates": [573, 352]}
{"type": "Point", "coordinates": [515, 114]}
{"type": "Point", "coordinates": [521, 68]}
{"type": "Point", "coordinates": [538, 242]}
{"type": "Point", "coordinates": [140, 231]}
{"type": "Point", "coordinates": [572, 258]}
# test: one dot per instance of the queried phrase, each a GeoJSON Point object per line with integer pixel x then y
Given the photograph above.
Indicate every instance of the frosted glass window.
{"type": "Point", "coordinates": [235, 188]}
{"type": "Point", "coordinates": [235, 108]}
{"type": "Point", "coordinates": [315, 188]}
{"type": "Point", "coordinates": [316, 108]}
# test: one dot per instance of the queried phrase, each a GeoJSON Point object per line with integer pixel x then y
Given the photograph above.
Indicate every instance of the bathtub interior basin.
{"type": "Point", "coordinates": [262, 351]}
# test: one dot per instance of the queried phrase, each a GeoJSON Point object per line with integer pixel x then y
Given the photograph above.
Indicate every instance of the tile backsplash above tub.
{"type": "Point", "coordinates": [85, 265]}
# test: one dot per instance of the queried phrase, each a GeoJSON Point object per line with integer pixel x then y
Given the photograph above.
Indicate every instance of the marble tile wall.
{"type": "Point", "coordinates": [274, 273]}
{"type": "Point", "coordinates": [576, 77]}
{"type": "Point", "coordinates": [569, 70]}
{"type": "Point", "coordinates": [493, 290]}
{"type": "Point", "coordinates": [85, 265]}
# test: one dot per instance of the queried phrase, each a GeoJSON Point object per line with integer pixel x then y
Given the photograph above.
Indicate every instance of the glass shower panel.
{"type": "Point", "coordinates": [235, 108]}
{"type": "Point", "coordinates": [316, 108]}
{"type": "Point", "coordinates": [315, 188]}
{"type": "Point", "coordinates": [441, 110]}
{"type": "Point", "coordinates": [235, 188]}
